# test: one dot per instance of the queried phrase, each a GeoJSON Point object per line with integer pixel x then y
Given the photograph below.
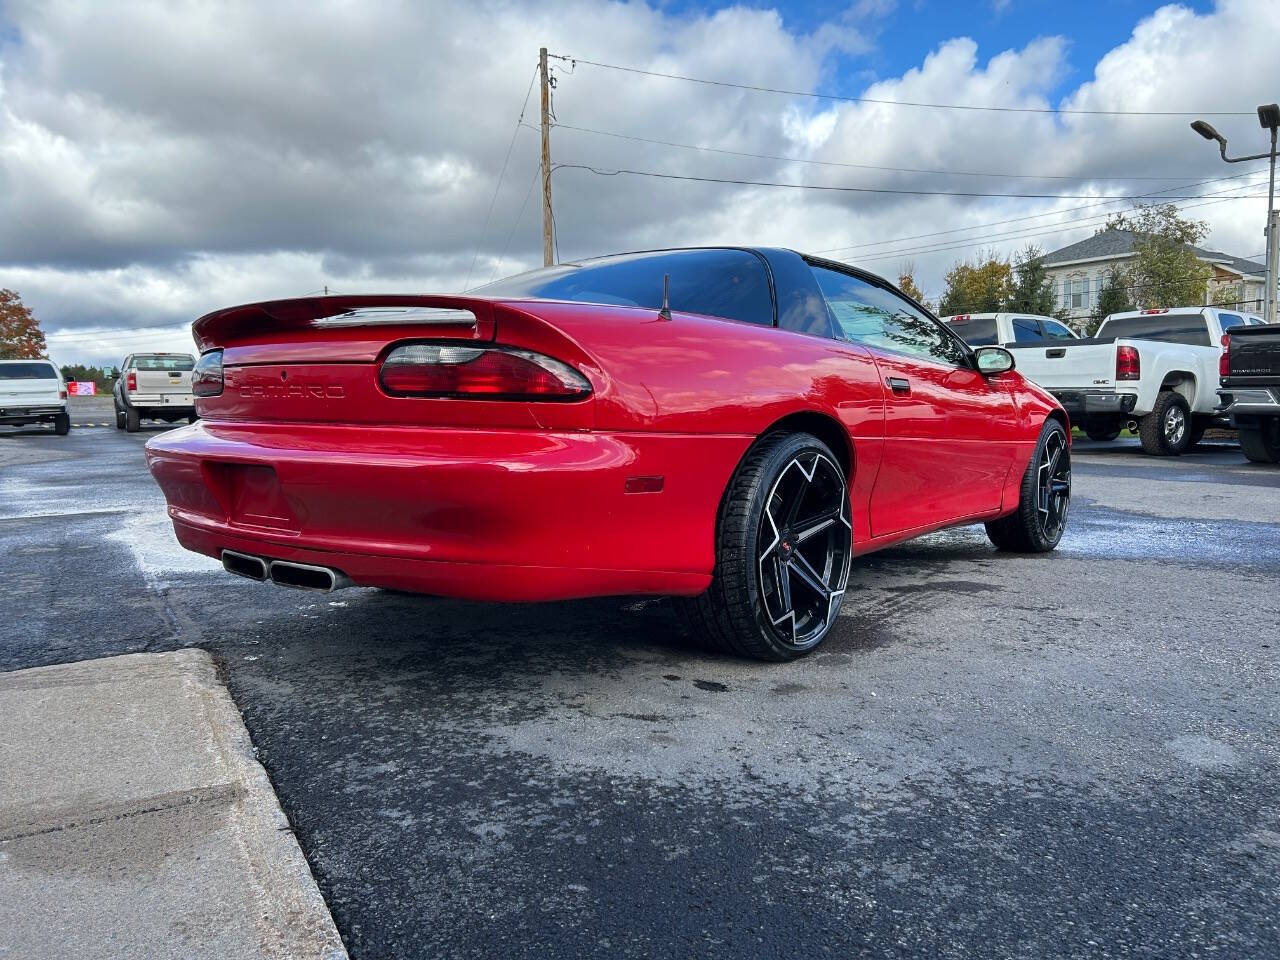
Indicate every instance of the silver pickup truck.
{"type": "Point", "coordinates": [154, 386]}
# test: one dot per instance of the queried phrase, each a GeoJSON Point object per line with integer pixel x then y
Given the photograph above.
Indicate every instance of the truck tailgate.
{"type": "Point", "coordinates": [1082, 365]}
{"type": "Point", "coordinates": [162, 382]}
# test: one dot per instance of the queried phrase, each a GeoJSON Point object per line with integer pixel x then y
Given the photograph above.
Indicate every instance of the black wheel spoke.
{"type": "Point", "coordinates": [809, 576]}
{"type": "Point", "coordinates": [784, 586]}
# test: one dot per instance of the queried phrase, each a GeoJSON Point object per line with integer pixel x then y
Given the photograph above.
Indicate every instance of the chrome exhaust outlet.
{"type": "Point", "coordinates": [244, 565]}
{"type": "Point", "coordinates": [304, 576]}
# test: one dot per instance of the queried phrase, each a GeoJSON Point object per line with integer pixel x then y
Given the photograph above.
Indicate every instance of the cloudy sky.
{"type": "Point", "coordinates": [158, 160]}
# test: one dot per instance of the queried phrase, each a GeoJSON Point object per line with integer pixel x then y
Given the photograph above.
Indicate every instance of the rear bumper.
{"type": "Point", "coordinates": [482, 514]}
{"type": "Point", "coordinates": [1248, 404]}
{"type": "Point", "coordinates": [1080, 404]}
{"type": "Point", "coordinates": [177, 403]}
{"type": "Point", "coordinates": [16, 416]}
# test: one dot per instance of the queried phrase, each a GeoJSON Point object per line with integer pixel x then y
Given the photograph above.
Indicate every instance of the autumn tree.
{"type": "Point", "coordinates": [1165, 270]}
{"type": "Point", "coordinates": [20, 335]}
{"type": "Point", "coordinates": [907, 282]}
{"type": "Point", "coordinates": [982, 286]}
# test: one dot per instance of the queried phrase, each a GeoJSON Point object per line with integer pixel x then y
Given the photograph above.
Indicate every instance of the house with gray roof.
{"type": "Point", "coordinates": [1079, 271]}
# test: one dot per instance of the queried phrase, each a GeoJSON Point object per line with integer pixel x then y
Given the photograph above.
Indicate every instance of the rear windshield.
{"type": "Point", "coordinates": [978, 332]}
{"type": "Point", "coordinates": [1189, 328]}
{"type": "Point", "coordinates": [28, 371]}
{"type": "Point", "coordinates": [715, 283]}
{"type": "Point", "coordinates": [164, 363]}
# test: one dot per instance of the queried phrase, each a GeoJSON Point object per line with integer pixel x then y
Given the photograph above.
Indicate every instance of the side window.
{"type": "Point", "coordinates": [1026, 330]}
{"type": "Point", "coordinates": [876, 317]}
{"type": "Point", "coordinates": [1229, 320]}
{"type": "Point", "coordinates": [1053, 330]}
{"type": "Point", "coordinates": [128, 363]}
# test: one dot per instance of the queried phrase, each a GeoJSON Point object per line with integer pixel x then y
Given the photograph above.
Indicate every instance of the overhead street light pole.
{"type": "Point", "coordinates": [1269, 119]}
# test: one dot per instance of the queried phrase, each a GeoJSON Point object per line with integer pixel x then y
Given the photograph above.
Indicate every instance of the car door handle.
{"type": "Point", "coordinates": [1056, 354]}
{"type": "Point", "coordinates": [899, 385]}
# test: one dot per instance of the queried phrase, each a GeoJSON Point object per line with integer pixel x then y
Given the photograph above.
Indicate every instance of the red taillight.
{"type": "Point", "coordinates": [131, 381]}
{"type": "Point", "coordinates": [206, 376]}
{"type": "Point", "coordinates": [1128, 366]}
{"type": "Point", "coordinates": [1224, 361]}
{"type": "Point", "coordinates": [487, 373]}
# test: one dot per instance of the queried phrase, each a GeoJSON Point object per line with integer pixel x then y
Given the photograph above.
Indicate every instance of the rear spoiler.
{"type": "Point", "coordinates": [253, 322]}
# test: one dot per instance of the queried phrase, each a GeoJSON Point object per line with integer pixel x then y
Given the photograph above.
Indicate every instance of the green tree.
{"type": "Point", "coordinates": [1165, 271]}
{"type": "Point", "coordinates": [983, 286]}
{"type": "Point", "coordinates": [20, 335]}
{"type": "Point", "coordinates": [1112, 298]}
{"type": "Point", "coordinates": [907, 282]}
{"type": "Point", "coordinates": [1032, 290]}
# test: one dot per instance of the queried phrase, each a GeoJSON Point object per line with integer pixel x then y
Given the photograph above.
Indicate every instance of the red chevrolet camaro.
{"type": "Point", "coordinates": [729, 426]}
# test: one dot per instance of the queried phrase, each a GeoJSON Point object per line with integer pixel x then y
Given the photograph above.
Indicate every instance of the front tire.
{"type": "Point", "coordinates": [783, 547]}
{"type": "Point", "coordinates": [1166, 431]}
{"type": "Point", "coordinates": [1102, 432]}
{"type": "Point", "coordinates": [1261, 441]}
{"type": "Point", "coordinates": [1044, 498]}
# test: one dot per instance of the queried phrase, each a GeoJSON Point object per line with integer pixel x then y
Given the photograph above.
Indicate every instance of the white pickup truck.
{"type": "Point", "coordinates": [1155, 368]}
{"type": "Point", "coordinates": [156, 386]}
{"type": "Point", "coordinates": [1007, 329]}
{"type": "Point", "coordinates": [33, 391]}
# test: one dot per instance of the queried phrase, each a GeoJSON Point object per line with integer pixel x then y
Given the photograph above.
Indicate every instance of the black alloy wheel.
{"type": "Point", "coordinates": [784, 543]}
{"type": "Point", "coordinates": [1045, 498]}
{"type": "Point", "coordinates": [803, 547]}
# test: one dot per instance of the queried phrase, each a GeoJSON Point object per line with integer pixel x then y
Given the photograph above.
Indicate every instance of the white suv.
{"type": "Point", "coordinates": [33, 391]}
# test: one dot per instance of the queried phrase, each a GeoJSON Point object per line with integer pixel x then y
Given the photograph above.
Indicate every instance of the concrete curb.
{"type": "Point", "coordinates": [138, 821]}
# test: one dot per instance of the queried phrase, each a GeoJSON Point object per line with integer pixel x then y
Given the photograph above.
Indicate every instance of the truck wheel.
{"type": "Point", "coordinates": [62, 424]}
{"type": "Point", "coordinates": [1102, 432]}
{"type": "Point", "coordinates": [1044, 498]}
{"type": "Point", "coordinates": [132, 420]}
{"type": "Point", "coordinates": [1166, 430]}
{"type": "Point", "coordinates": [783, 546]}
{"type": "Point", "coordinates": [1261, 441]}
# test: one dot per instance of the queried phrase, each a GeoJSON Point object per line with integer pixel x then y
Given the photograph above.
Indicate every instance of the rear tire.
{"type": "Point", "coordinates": [1198, 428]}
{"type": "Point", "coordinates": [1261, 441]}
{"type": "Point", "coordinates": [783, 547]}
{"type": "Point", "coordinates": [1166, 430]}
{"type": "Point", "coordinates": [1044, 499]}
{"type": "Point", "coordinates": [62, 424]}
{"type": "Point", "coordinates": [132, 420]}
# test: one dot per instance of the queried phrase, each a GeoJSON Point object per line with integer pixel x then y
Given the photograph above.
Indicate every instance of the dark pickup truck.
{"type": "Point", "coordinates": [1250, 389]}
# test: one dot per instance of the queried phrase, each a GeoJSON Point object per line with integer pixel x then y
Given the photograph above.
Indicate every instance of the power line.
{"type": "Point", "coordinates": [854, 166]}
{"type": "Point", "coordinates": [1037, 216]}
{"type": "Point", "coordinates": [1025, 233]}
{"type": "Point", "coordinates": [904, 103]}
{"type": "Point", "coordinates": [836, 189]}
{"type": "Point", "coordinates": [505, 160]}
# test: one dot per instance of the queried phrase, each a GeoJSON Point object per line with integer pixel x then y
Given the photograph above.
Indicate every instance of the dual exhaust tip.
{"type": "Point", "coordinates": [284, 573]}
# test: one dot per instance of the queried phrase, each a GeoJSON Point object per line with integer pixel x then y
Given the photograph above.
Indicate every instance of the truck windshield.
{"type": "Point", "coordinates": [28, 371]}
{"type": "Point", "coordinates": [975, 331]}
{"type": "Point", "coordinates": [1188, 328]}
{"type": "Point", "coordinates": [164, 363]}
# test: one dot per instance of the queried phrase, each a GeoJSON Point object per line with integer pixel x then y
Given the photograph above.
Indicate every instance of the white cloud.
{"type": "Point", "coordinates": [160, 160]}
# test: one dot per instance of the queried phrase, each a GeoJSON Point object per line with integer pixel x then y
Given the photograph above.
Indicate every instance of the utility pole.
{"type": "Point", "coordinates": [548, 245]}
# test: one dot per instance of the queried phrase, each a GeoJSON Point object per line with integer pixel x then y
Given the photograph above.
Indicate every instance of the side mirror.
{"type": "Point", "coordinates": [993, 360]}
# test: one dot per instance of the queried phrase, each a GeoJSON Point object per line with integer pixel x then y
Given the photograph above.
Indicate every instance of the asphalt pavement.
{"type": "Point", "coordinates": [1074, 755]}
